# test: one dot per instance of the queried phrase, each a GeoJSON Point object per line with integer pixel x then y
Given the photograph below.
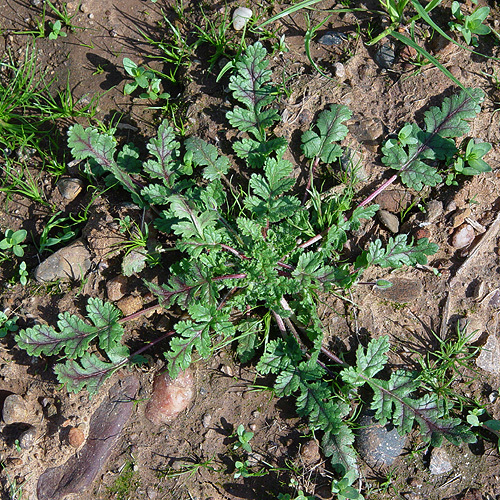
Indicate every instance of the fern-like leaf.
{"type": "Point", "coordinates": [250, 87]}
{"type": "Point", "coordinates": [331, 129]}
{"type": "Point", "coordinates": [206, 155]}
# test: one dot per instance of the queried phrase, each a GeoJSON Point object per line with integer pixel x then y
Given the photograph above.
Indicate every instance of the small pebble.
{"type": "Point", "coordinates": [351, 162]}
{"type": "Point", "coordinates": [207, 418]}
{"type": "Point", "coordinates": [116, 288]}
{"type": "Point", "coordinates": [69, 188]}
{"type": "Point", "coordinates": [393, 200]}
{"type": "Point", "coordinates": [332, 38]}
{"type": "Point", "coordinates": [389, 221]}
{"type": "Point", "coordinates": [433, 210]}
{"type": "Point", "coordinates": [227, 370]}
{"type": "Point", "coordinates": [440, 462]}
{"type": "Point", "coordinates": [489, 357]}
{"type": "Point", "coordinates": [76, 437]}
{"type": "Point", "coordinates": [385, 57]}
{"type": "Point", "coordinates": [15, 410]}
{"type": "Point", "coordinates": [253, 427]}
{"type": "Point", "coordinates": [339, 70]}
{"type": "Point", "coordinates": [152, 493]}
{"type": "Point", "coordinates": [240, 18]}
{"type": "Point", "coordinates": [493, 396]}
{"type": "Point", "coordinates": [28, 438]}
{"type": "Point", "coordinates": [463, 236]}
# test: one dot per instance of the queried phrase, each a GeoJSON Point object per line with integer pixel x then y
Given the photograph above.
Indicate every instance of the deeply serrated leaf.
{"type": "Point", "coordinates": [331, 130]}
{"type": "Point", "coordinates": [89, 373]}
{"type": "Point", "coordinates": [249, 86]}
{"type": "Point", "coordinates": [105, 317]}
{"type": "Point", "coordinates": [205, 154]}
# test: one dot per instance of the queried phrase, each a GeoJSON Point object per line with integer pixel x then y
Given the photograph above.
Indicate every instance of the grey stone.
{"type": "Point", "coordinates": [489, 358]}
{"type": "Point", "coordinates": [240, 17]}
{"type": "Point", "coordinates": [440, 462]}
{"type": "Point", "coordinates": [378, 444]}
{"type": "Point", "coordinates": [71, 262]}
{"type": "Point", "coordinates": [385, 57]}
{"type": "Point", "coordinates": [15, 410]}
{"type": "Point", "coordinates": [389, 221]}
{"type": "Point", "coordinates": [207, 418]}
{"type": "Point", "coordinates": [433, 210]}
{"type": "Point", "coordinates": [27, 438]}
{"type": "Point", "coordinates": [69, 188]}
{"type": "Point", "coordinates": [332, 38]}
{"type": "Point", "coordinates": [340, 72]}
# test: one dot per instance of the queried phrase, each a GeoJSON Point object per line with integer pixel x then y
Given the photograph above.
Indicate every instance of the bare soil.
{"type": "Point", "coordinates": [164, 460]}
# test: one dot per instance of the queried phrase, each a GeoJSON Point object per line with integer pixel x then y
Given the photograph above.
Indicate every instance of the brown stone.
{"type": "Point", "coordinates": [76, 437]}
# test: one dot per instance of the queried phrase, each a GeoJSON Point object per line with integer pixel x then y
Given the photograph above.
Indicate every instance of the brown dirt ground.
{"type": "Point", "coordinates": [92, 57]}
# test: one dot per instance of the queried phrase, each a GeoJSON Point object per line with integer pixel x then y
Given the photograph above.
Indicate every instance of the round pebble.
{"type": "Point", "coordinates": [240, 18]}
{"type": "Point", "coordinates": [339, 70]}
{"type": "Point", "coordinates": [309, 453]}
{"type": "Point", "coordinates": [15, 410]}
{"type": "Point", "coordinates": [28, 438]}
{"type": "Point", "coordinates": [76, 437]}
{"type": "Point", "coordinates": [463, 236]}
{"type": "Point", "coordinates": [207, 418]}
{"type": "Point", "coordinates": [69, 188]}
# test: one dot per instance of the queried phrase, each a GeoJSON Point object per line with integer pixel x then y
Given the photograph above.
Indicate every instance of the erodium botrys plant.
{"type": "Point", "coordinates": [255, 258]}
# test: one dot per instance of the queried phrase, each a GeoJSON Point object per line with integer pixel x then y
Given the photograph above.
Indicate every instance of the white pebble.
{"type": "Point", "coordinates": [240, 17]}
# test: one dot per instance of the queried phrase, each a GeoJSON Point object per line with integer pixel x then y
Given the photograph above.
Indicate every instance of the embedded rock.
{"type": "Point", "coordinates": [463, 236]}
{"type": "Point", "coordinates": [169, 397]}
{"type": "Point", "coordinates": [105, 428]}
{"type": "Point", "coordinates": [378, 444]}
{"type": "Point", "coordinates": [389, 221]}
{"type": "Point", "coordinates": [15, 410]}
{"type": "Point", "coordinates": [385, 57]}
{"type": "Point", "coordinates": [440, 462]}
{"type": "Point", "coordinates": [71, 262]}
{"type": "Point", "coordinates": [489, 358]}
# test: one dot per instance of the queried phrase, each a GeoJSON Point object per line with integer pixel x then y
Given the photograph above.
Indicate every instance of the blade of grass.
{"type": "Point", "coordinates": [408, 41]}
{"type": "Point", "coordinates": [309, 35]}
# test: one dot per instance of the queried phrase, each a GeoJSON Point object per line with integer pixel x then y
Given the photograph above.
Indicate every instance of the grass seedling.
{"type": "Point", "coordinates": [64, 233]}
{"type": "Point", "coordinates": [19, 180]}
{"type": "Point", "coordinates": [63, 16]}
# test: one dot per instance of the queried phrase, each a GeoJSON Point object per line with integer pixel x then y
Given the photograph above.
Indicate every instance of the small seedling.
{"type": "Point", "coordinates": [13, 241]}
{"type": "Point", "coordinates": [470, 25]}
{"type": "Point", "coordinates": [470, 162]}
{"type": "Point", "coordinates": [64, 234]}
{"type": "Point", "coordinates": [23, 274]}
{"type": "Point", "coordinates": [343, 489]}
{"type": "Point", "coordinates": [144, 79]}
{"type": "Point", "coordinates": [56, 30]}
{"type": "Point", "coordinates": [7, 325]}
{"type": "Point", "coordinates": [244, 438]}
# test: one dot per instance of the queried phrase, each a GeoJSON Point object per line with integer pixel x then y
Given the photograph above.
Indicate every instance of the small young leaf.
{"type": "Point", "coordinates": [207, 155]}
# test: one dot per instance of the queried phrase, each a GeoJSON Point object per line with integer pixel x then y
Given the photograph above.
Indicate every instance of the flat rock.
{"type": "Point", "coordinates": [440, 462]}
{"type": "Point", "coordinates": [389, 221]}
{"type": "Point", "coordinates": [402, 290]}
{"type": "Point", "coordinates": [116, 288]}
{"type": "Point", "coordinates": [105, 428]}
{"type": "Point", "coordinates": [169, 397]}
{"type": "Point", "coordinates": [393, 200]}
{"type": "Point", "coordinates": [489, 358]}
{"type": "Point", "coordinates": [332, 38]}
{"type": "Point", "coordinates": [377, 444]}
{"type": "Point", "coordinates": [71, 262]}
